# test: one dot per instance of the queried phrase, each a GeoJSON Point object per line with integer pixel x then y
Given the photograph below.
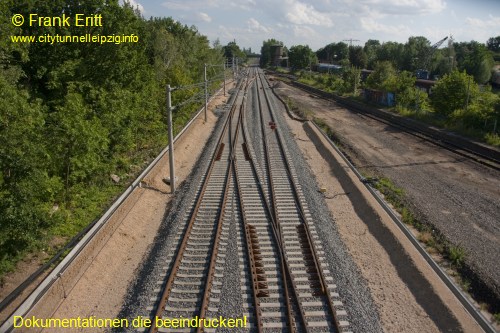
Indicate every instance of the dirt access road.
{"type": "Point", "coordinates": [459, 197]}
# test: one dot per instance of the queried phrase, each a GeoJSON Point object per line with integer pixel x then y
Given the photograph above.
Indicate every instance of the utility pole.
{"type": "Point", "coordinates": [206, 93]}
{"type": "Point", "coordinates": [355, 80]}
{"type": "Point", "coordinates": [467, 99]}
{"type": "Point", "coordinates": [350, 41]}
{"type": "Point", "coordinates": [234, 72]}
{"type": "Point", "coordinates": [417, 100]}
{"type": "Point", "coordinates": [224, 71]}
{"type": "Point", "coordinates": [170, 139]}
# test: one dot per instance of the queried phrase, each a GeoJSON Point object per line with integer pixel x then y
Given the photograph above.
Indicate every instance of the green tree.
{"type": "Point", "coordinates": [80, 142]}
{"type": "Point", "coordinates": [392, 52]}
{"type": "Point", "coordinates": [333, 52]}
{"type": "Point", "coordinates": [416, 54]}
{"type": "Point", "coordinates": [233, 50]}
{"type": "Point", "coordinates": [454, 91]}
{"type": "Point", "coordinates": [301, 57]}
{"type": "Point", "coordinates": [475, 59]}
{"type": "Point", "coordinates": [352, 80]}
{"type": "Point", "coordinates": [265, 51]}
{"type": "Point", "coordinates": [27, 191]}
{"type": "Point", "coordinates": [444, 61]}
{"type": "Point", "coordinates": [370, 48]}
{"type": "Point", "coordinates": [73, 113]}
{"type": "Point", "coordinates": [383, 77]}
{"type": "Point", "coordinates": [407, 95]}
{"type": "Point", "coordinates": [493, 44]}
{"type": "Point", "coordinates": [357, 57]}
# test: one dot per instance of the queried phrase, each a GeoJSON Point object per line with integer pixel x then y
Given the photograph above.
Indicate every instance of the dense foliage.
{"type": "Point", "coordinates": [266, 55]}
{"type": "Point", "coordinates": [459, 100]}
{"type": "Point", "coordinates": [301, 56]}
{"type": "Point", "coordinates": [232, 50]}
{"type": "Point", "coordinates": [72, 114]}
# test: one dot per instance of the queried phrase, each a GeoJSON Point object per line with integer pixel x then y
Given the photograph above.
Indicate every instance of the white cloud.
{"type": "Point", "coordinates": [134, 5]}
{"type": "Point", "coordinates": [297, 12]}
{"type": "Point", "coordinates": [189, 5]}
{"type": "Point", "coordinates": [203, 17]}
{"type": "Point", "coordinates": [492, 22]}
{"type": "Point", "coordinates": [403, 7]}
{"type": "Point", "coordinates": [175, 5]}
{"type": "Point", "coordinates": [255, 26]}
{"type": "Point", "coordinates": [247, 5]}
{"type": "Point", "coordinates": [372, 25]}
{"type": "Point", "coordinates": [304, 32]}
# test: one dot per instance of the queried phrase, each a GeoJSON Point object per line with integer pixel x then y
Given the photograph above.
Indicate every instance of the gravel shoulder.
{"type": "Point", "coordinates": [408, 295]}
{"type": "Point", "coordinates": [458, 197]}
{"type": "Point", "coordinates": [351, 286]}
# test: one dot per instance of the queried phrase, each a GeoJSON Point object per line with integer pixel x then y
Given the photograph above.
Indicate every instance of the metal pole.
{"type": "Point", "coordinates": [467, 100]}
{"type": "Point", "coordinates": [170, 139]}
{"type": "Point", "coordinates": [224, 66]}
{"type": "Point", "coordinates": [417, 101]}
{"type": "Point", "coordinates": [234, 72]}
{"type": "Point", "coordinates": [206, 93]}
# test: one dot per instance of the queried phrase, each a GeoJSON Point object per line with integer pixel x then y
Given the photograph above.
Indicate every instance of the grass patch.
{"type": "Point", "coordinates": [327, 129]}
{"type": "Point", "coordinates": [456, 255]}
{"type": "Point", "coordinates": [299, 111]}
{"type": "Point", "coordinates": [331, 84]}
{"type": "Point", "coordinates": [492, 139]}
{"type": "Point", "coordinates": [496, 317]}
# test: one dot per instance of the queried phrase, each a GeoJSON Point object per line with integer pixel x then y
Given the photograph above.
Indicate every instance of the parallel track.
{"type": "Point", "coordinates": [284, 284]}
{"type": "Point", "coordinates": [487, 156]}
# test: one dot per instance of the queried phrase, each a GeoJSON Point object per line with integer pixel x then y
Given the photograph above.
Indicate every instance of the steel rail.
{"type": "Point", "coordinates": [295, 193]}
{"type": "Point", "coordinates": [177, 263]}
{"type": "Point", "coordinates": [273, 200]}
{"type": "Point", "coordinates": [213, 256]}
{"type": "Point", "coordinates": [318, 267]}
{"type": "Point", "coordinates": [250, 256]}
{"type": "Point", "coordinates": [275, 221]}
{"type": "Point", "coordinates": [283, 266]}
{"type": "Point", "coordinates": [488, 158]}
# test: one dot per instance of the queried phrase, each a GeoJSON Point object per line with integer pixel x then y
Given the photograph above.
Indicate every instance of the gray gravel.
{"type": "Point", "coordinates": [231, 304]}
{"type": "Point", "coordinates": [353, 290]}
{"type": "Point", "coordinates": [457, 196]}
{"type": "Point", "coordinates": [143, 289]}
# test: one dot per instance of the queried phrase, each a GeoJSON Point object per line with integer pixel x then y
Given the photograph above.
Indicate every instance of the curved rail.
{"type": "Point", "coordinates": [309, 252]}
{"type": "Point", "coordinates": [195, 217]}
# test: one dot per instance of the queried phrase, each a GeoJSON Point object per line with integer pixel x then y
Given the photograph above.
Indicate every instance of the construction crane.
{"type": "Point", "coordinates": [424, 73]}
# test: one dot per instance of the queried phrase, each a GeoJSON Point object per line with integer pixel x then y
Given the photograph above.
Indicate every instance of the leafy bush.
{"type": "Point", "coordinates": [450, 93]}
{"type": "Point", "coordinates": [74, 113]}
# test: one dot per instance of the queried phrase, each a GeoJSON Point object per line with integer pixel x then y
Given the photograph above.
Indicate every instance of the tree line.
{"type": "Point", "coordinates": [72, 114]}
{"type": "Point", "coordinates": [475, 58]}
{"type": "Point", "coordinates": [461, 99]}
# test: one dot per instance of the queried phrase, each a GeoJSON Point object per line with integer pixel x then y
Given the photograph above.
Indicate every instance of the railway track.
{"type": "Point", "coordinates": [284, 282]}
{"type": "Point", "coordinates": [482, 154]}
{"type": "Point", "coordinates": [194, 272]}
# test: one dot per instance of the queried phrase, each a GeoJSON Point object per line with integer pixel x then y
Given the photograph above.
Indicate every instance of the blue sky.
{"type": "Point", "coordinates": [320, 22]}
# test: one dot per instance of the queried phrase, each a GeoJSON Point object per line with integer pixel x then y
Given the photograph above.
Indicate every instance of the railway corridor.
{"type": "Point", "coordinates": [284, 281]}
